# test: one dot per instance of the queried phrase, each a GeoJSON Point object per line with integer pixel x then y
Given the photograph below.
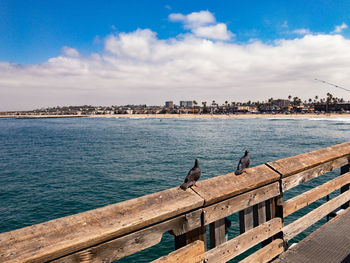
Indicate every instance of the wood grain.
{"type": "Point", "coordinates": [315, 215]}
{"type": "Point", "coordinates": [304, 176]}
{"type": "Point", "coordinates": [241, 243]}
{"type": "Point", "coordinates": [225, 186]}
{"type": "Point", "coordinates": [225, 208]}
{"type": "Point", "coordinates": [266, 253]}
{"type": "Point", "coordinates": [302, 162]}
{"type": "Point", "coordinates": [304, 199]}
{"type": "Point", "coordinates": [345, 169]}
{"type": "Point", "coordinates": [137, 241]}
{"type": "Point", "coordinates": [59, 237]}
{"type": "Point", "coordinates": [192, 253]}
{"type": "Point", "coordinates": [217, 232]}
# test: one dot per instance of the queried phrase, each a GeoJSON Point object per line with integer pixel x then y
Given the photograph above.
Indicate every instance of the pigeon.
{"type": "Point", "coordinates": [243, 163]}
{"type": "Point", "coordinates": [192, 176]}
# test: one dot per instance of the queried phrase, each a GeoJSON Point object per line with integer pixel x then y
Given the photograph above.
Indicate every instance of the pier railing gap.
{"type": "Point", "coordinates": [109, 233]}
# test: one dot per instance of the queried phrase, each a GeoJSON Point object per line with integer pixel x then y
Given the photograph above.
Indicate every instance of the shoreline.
{"type": "Point", "coordinates": [187, 116]}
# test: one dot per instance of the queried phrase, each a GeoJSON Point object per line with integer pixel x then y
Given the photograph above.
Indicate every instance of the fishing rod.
{"type": "Point", "coordinates": [332, 84]}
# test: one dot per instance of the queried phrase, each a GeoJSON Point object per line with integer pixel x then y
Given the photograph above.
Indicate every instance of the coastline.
{"type": "Point", "coordinates": [187, 116]}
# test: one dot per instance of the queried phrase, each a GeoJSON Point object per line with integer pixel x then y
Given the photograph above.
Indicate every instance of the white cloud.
{"type": "Point", "coordinates": [339, 29]}
{"type": "Point", "coordinates": [218, 32]}
{"type": "Point", "coordinates": [203, 24]}
{"type": "Point", "coordinates": [302, 31]}
{"type": "Point", "coordinates": [193, 20]}
{"type": "Point", "coordinates": [138, 67]}
{"type": "Point", "coordinates": [137, 44]}
{"type": "Point", "coordinates": [70, 52]}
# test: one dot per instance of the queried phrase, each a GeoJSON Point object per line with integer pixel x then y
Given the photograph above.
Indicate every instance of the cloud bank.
{"type": "Point", "coordinates": [138, 67]}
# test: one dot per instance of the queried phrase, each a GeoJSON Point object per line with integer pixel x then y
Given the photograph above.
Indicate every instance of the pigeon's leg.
{"type": "Point", "coordinates": [195, 184]}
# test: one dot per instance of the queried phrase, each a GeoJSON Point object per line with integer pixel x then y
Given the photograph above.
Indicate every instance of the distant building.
{"type": "Point", "coordinates": [186, 103]}
{"type": "Point", "coordinates": [282, 104]}
{"type": "Point", "coordinates": [331, 107]}
{"type": "Point", "coordinates": [245, 109]}
{"type": "Point", "coordinates": [169, 104]}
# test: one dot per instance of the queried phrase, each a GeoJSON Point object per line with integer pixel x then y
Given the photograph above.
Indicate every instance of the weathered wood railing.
{"type": "Point", "coordinates": [115, 231]}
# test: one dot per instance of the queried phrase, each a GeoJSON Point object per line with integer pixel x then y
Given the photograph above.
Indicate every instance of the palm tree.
{"type": "Point", "coordinates": [328, 100]}
{"type": "Point", "coordinates": [270, 101]}
{"type": "Point", "coordinates": [296, 101]}
{"type": "Point", "coordinates": [204, 103]}
{"type": "Point", "coordinates": [195, 104]}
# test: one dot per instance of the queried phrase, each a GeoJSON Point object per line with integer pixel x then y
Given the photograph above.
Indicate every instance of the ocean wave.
{"type": "Point", "coordinates": [336, 119]}
{"type": "Point", "coordinates": [333, 119]}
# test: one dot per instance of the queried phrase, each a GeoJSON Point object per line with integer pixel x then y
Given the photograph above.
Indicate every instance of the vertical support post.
{"type": "Point", "coordinates": [191, 236]}
{"type": "Point", "coordinates": [327, 199]}
{"type": "Point", "coordinates": [344, 169]}
{"type": "Point", "coordinates": [270, 208]}
{"type": "Point", "coordinates": [259, 214]}
{"type": "Point", "coordinates": [217, 232]}
{"type": "Point", "coordinates": [246, 220]}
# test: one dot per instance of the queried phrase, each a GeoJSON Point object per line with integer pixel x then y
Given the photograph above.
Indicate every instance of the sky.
{"type": "Point", "coordinates": [59, 53]}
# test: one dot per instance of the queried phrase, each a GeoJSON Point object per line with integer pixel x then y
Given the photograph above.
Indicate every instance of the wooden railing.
{"type": "Point", "coordinates": [115, 231]}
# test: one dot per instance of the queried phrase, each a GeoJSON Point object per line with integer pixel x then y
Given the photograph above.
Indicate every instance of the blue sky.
{"type": "Point", "coordinates": [34, 31]}
{"type": "Point", "coordinates": [101, 52]}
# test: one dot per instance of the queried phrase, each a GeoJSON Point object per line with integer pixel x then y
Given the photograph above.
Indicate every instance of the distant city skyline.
{"type": "Point", "coordinates": [75, 53]}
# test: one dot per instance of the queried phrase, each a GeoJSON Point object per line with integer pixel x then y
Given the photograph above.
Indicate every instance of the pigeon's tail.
{"type": "Point", "coordinates": [185, 185]}
{"type": "Point", "coordinates": [238, 172]}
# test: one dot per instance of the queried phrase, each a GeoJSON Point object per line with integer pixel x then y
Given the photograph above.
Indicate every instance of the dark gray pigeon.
{"type": "Point", "coordinates": [243, 163]}
{"type": "Point", "coordinates": [192, 176]}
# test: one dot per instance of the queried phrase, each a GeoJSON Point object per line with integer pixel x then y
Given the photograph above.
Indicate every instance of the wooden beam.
{"type": "Point", "coordinates": [315, 215]}
{"type": "Point", "coordinates": [217, 232]}
{"type": "Point", "coordinates": [241, 243]}
{"type": "Point", "coordinates": [222, 187]}
{"type": "Point", "coordinates": [306, 161]}
{"type": "Point", "coordinates": [192, 253]}
{"type": "Point", "coordinates": [129, 244]}
{"type": "Point", "coordinates": [267, 253]}
{"type": "Point", "coordinates": [259, 213]}
{"type": "Point", "coordinates": [246, 220]}
{"type": "Point", "coordinates": [305, 199]}
{"type": "Point", "coordinates": [240, 202]}
{"type": "Point", "coordinates": [304, 176]}
{"type": "Point", "coordinates": [63, 236]}
{"type": "Point", "coordinates": [345, 169]}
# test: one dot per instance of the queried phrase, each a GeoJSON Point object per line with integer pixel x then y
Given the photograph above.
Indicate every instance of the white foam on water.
{"type": "Point", "coordinates": [336, 119]}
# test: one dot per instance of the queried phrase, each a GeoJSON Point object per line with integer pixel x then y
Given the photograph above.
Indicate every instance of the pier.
{"type": "Point", "coordinates": [196, 219]}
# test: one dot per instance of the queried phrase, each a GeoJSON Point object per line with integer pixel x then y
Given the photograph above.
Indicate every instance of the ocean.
{"type": "Point", "coordinates": [51, 168]}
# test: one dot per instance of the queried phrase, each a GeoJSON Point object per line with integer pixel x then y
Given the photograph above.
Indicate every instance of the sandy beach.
{"type": "Point", "coordinates": [228, 116]}
{"type": "Point", "coordinates": [189, 116]}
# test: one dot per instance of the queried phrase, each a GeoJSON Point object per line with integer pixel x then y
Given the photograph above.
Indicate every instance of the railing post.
{"type": "Point", "coordinates": [344, 169]}
{"type": "Point", "coordinates": [191, 236]}
{"type": "Point", "coordinates": [246, 219]}
{"type": "Point", "coordinates": [217, 232]}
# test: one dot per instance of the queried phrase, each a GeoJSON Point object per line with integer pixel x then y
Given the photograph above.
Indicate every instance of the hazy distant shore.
{"type": "Point", "coordinates": [220, 116]}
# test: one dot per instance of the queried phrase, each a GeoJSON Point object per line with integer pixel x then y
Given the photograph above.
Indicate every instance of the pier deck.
{"type": "Point", "coordinates": [330, 243]}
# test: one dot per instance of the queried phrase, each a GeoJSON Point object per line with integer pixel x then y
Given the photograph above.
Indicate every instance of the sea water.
{"type": "Point", "coordinates": [51, 168]}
